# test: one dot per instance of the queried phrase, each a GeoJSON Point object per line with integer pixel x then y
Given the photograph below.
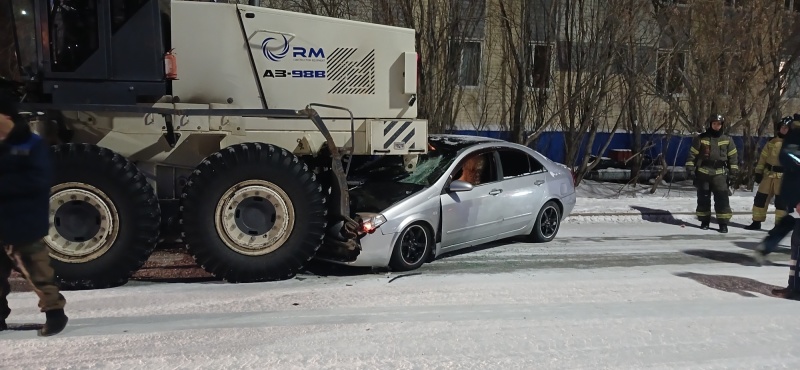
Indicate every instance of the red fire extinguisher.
{"type": "Point", "coordinates": [170, 65]}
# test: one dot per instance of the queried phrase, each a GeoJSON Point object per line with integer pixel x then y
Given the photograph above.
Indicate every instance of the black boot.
{"type": "Point", "coordinates": [56, 321]}
{"type": "Point", "coordinates": [705, 225]}
{"type": "Point", "coordinates": [756, 225]}
{"type": "Point", "coordinates": [3, 325]}
{"type": "Point", "coordinates": [787, 293]}
{"type": "Point", "coordinates": [723, 228]}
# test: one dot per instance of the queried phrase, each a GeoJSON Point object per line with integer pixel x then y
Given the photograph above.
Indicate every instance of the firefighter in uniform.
{"type": "Point", "coordinates": [712, 164]}
{"type": "Point", "coordinates": [768, 175]}
{"type": "Point", "coordinates": [790, 188]}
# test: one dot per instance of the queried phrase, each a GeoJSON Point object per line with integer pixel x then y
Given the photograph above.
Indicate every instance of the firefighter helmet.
{"type": "Point", "coordinates": [716, 117]}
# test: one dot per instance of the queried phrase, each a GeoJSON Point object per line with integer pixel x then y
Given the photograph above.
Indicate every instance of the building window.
{"type": "Point", "coordinates": [669, 72]}
{"type": "Point", "coordinates": [469, 64]}
{"type": "Point", "coordinates": [540, 65]}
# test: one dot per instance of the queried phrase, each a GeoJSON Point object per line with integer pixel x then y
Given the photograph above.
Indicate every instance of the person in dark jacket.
{"type": "Point", "coordinates": [790, 188]}
{"type": "Point", "coordinates": [786, 224]}
{"type": "Point", "coordinates": [25, 178]}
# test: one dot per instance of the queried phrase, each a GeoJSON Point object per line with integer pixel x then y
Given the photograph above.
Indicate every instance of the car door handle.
{"type": "Point", "coordinates": [495, 191]}
{"type": "Point", "coordinates": [538, 182]}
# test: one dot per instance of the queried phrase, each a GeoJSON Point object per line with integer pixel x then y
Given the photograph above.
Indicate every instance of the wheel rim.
{"type": "Point", "coordinates": [549, 222]}
{"type": "Point", "coordinates": [413, 244]}
{"type": "Point", "coordinates": [254, 217]}
{"type": "Point", "coordinates": [84, 223]}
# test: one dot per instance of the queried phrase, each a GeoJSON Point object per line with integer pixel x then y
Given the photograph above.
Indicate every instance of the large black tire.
{"type": "Point", "coordinates": [104, 217]}
{"type": "Point", "coordinates": [275, 210]}
{"type": "Point", "coordinates": [548, 222]}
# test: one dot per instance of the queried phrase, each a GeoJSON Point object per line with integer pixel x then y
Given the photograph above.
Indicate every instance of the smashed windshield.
{"type": "Point", "coordinates": [429, 168]}
{"type": "Point", "coordinates": [426, 169]}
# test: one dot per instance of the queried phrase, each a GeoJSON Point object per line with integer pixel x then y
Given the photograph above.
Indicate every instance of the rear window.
{"type": "Point", "coordinates": [514, 163]}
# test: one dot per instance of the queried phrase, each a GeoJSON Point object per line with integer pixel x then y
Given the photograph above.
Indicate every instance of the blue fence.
{"type": "Point", "coordinates": [552, 144]}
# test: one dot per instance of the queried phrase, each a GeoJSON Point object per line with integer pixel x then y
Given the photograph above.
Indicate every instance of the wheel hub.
{"type": "Point", "coordinates": [77, 220]}
{"type": "Point", "coordinates": [83, 223]}
{"type": "Point", "coordinates": [254, 217]}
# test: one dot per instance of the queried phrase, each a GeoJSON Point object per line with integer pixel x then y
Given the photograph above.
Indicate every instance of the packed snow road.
{"type": "Point", "coordinates": [609, 294]}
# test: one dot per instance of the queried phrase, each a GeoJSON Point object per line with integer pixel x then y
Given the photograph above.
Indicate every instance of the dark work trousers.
{"type": "Point", "coordinates": [33, 261]}
{"type": "Point", "coordinates": [794, 267]}
{"type": "Point", "coordinates": [717, 186]}
{"type": "Point", "coordinates": [780, 231]}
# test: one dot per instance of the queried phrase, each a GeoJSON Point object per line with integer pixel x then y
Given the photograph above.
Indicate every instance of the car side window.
{"type": "Point", "coordinates": [536, 166]}
{"type": "Point", "coordinates": [514, 163]}
{"type": "Point", "coordinates": [477, 169]}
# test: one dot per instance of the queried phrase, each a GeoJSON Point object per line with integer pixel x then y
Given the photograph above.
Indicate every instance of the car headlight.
{"type": "Point", "coordinates": [371, 223]}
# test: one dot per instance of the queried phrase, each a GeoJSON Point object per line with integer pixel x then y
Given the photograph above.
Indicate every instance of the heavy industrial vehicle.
{"type": "Point", "coordinates": [224, 125]}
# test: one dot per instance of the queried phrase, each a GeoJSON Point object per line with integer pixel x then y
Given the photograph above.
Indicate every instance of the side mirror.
{"type": "Point", "coordinates": [459, 186]}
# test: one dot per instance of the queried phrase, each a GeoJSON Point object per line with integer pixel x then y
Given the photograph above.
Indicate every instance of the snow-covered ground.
{"type": "Point", "coordinates": [680, 197]}
{"type": "Point", "coordinates": [609, 190]}
{"type": "Point", "coordinates": [620, 317]}
{"type": "Point", "coordinates": [643, 293]}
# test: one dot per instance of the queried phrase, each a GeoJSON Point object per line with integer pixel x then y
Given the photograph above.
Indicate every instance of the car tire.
{"type": "Point", "coordinates": [409, 252]}
{"type": "Point", "coordinates": [548, 222]}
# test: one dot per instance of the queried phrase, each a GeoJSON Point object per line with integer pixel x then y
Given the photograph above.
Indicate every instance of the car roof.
{"type": "Point", "coordinates": [461, 141]}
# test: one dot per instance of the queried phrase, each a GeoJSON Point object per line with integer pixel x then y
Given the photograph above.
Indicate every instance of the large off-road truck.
{"type": "Point", "coordinates": [224, 125]}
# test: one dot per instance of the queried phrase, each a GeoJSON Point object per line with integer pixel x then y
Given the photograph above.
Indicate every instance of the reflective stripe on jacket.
{"type": "Point", "coordinates": [710, 155]}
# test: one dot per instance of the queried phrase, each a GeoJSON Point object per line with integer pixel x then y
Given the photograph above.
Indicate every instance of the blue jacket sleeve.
{"type": "Point", "coordinates": [36, 174]}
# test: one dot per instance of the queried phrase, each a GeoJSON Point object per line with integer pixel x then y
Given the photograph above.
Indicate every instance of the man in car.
{"type": "Point", "coordinates": [473, 170]}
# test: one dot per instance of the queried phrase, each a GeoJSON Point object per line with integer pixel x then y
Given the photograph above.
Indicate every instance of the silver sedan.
{"type": "Point", "coordinates": [464, 192]}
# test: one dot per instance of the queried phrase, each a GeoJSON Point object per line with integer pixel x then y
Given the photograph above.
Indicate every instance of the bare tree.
{"type": "Point", "coordinates": [516, 24]}
{"type": "Point", "coordinates": [560, 68]}
{"type": "Point", "coordinates": [450, 41]}
{"type": "Point", "coordinates": [772, 40]}
{"type": "Point", "coordinates": [636, 66]}
{"type": "Point", "coordinates": [586, 104]}
{"type": "Point", "coordinates": [732, 64]}
{"type": "Point", "coordinates": [345, 9]}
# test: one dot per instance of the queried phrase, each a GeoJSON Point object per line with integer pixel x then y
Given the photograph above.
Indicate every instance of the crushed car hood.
{"type": "Point", "coordinates": [376, 196]}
